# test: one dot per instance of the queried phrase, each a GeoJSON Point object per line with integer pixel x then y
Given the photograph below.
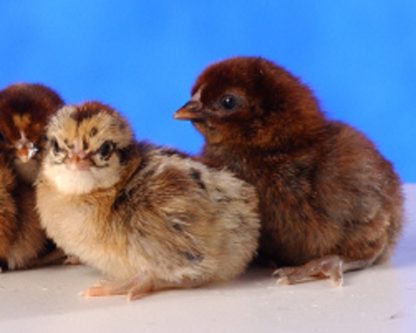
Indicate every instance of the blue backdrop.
{"type": "Point", "coordinates": [142, 57]}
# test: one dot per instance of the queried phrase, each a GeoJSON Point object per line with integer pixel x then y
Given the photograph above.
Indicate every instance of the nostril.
{"type": "Point", "coordinates": [77, 156]}
{"type": "Point", "coordinates": [193, 105]}
{"type": "Point", "coordinates": [81, 155]}
{"type": "Point", "coordinates": [78, 161]}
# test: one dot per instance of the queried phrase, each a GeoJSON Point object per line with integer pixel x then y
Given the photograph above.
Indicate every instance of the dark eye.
{"type": "Point", "coordinates": [1, 137]}
{"type": "Point", "coordinates": [55, 146]}
{"type": "Point", "coordinates": [106, 149]}
{"type": "Point", "coordinates": [228, 102]}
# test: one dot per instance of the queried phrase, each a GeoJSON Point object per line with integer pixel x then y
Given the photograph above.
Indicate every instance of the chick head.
{"type": "Point", "coordinates": [87, 148]}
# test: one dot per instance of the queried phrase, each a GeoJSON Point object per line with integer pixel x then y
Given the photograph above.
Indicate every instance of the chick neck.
{"type": "Point", "coordinates": [27, 172]}
{"type": "Point", "coordinates": [136, 162]}
{"type": "Point", "coordinates": [237, 153]}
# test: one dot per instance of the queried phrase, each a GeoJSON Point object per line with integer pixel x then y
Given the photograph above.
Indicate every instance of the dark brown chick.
{"type": "Point", "coordinates": [24, 110]}
{"type": "Point", "coordinates": [329, 201]}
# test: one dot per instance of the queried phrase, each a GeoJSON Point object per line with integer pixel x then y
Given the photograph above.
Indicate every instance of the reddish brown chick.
{"type": "Point", "coordinates": [329, 201]}
{"type": "Point", "coordinates": [24, 111]}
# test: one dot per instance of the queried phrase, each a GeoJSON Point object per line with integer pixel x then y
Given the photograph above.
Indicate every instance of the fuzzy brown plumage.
{"type": "Point", "coordinates": [24, 110]}
{"type": "Point", "coordinates": [147, 217]}
{"type": "Point", "coordinates": [328, 200]}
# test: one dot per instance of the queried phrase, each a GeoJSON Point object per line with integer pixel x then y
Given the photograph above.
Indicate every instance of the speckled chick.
{"type": "Point", "coordinates": [147, 217]}
{"type": "Point", "coordinates": [329, 201]}
{"type": "Point", "coordinates": [24, 110]}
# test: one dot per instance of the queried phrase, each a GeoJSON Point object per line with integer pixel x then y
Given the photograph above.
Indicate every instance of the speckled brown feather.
{"type": "Point", "coordinates": [324, 188]}
{"type": "Point", "coordinates": [23, 108]}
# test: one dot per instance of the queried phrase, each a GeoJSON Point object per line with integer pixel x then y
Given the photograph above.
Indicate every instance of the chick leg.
{"type": "Point", "coordinates": [56, 257]}
{"type": "Point", "coordinates": [325, 267]}
{"type": "Point", "coordinates": [109, 288]}
{"type": "Point", "coordinates": [331, 267]}
{"type": "Point", "coordinates": [135, 288]}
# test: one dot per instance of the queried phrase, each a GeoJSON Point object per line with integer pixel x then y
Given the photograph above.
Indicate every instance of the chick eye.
{"type": "Point", "coordinates": [55, 147]}
{"type": "Point", "coordinates": [228, 102]}
{"type": "Point", "coordinates": [106, 149]}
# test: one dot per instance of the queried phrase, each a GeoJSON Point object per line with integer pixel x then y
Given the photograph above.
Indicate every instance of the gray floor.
{"type": "Point", "coordinates": [380, 299]}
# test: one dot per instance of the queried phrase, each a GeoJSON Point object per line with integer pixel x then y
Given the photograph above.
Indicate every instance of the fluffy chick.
{"type": "Point", "coordinates": [329, 202]}
{"type": "Point", "coordinates": [24, 109]}
{"type": "Point", "coordinates": [147, 217]}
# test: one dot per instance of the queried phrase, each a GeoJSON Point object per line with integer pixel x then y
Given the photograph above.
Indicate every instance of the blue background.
{"type": "Point", "coordinates": [142, 57]}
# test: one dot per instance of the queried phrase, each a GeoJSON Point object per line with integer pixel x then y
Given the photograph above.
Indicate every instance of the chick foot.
{"type": "Point", "coordinates": [135, 288]}
{"type": "Point", "coordinates": [326, 267]}
{"type": "Point", "coordinates": [55, 257]}
{"type": "Point", "coordinates": [72, 261]}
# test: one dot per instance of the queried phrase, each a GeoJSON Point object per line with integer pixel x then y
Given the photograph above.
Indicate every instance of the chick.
{"type": "Point", "coordinates": [24, 109]}
{"type": "Point", "coordinates": [147, 217]}
{"type": "Point", "coordinates": [328, 201]}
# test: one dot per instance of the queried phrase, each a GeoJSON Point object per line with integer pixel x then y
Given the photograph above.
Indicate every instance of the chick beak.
{"type": "Point", "coordinates": [78, 160]}
{"type": "Point", "coordinates": [193, 110]}
{"type": "Point", "coordinates": [26, 152]}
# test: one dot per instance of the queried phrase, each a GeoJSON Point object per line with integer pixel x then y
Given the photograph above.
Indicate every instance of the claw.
{"type": "Point", "coordinates": [282, 281]}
